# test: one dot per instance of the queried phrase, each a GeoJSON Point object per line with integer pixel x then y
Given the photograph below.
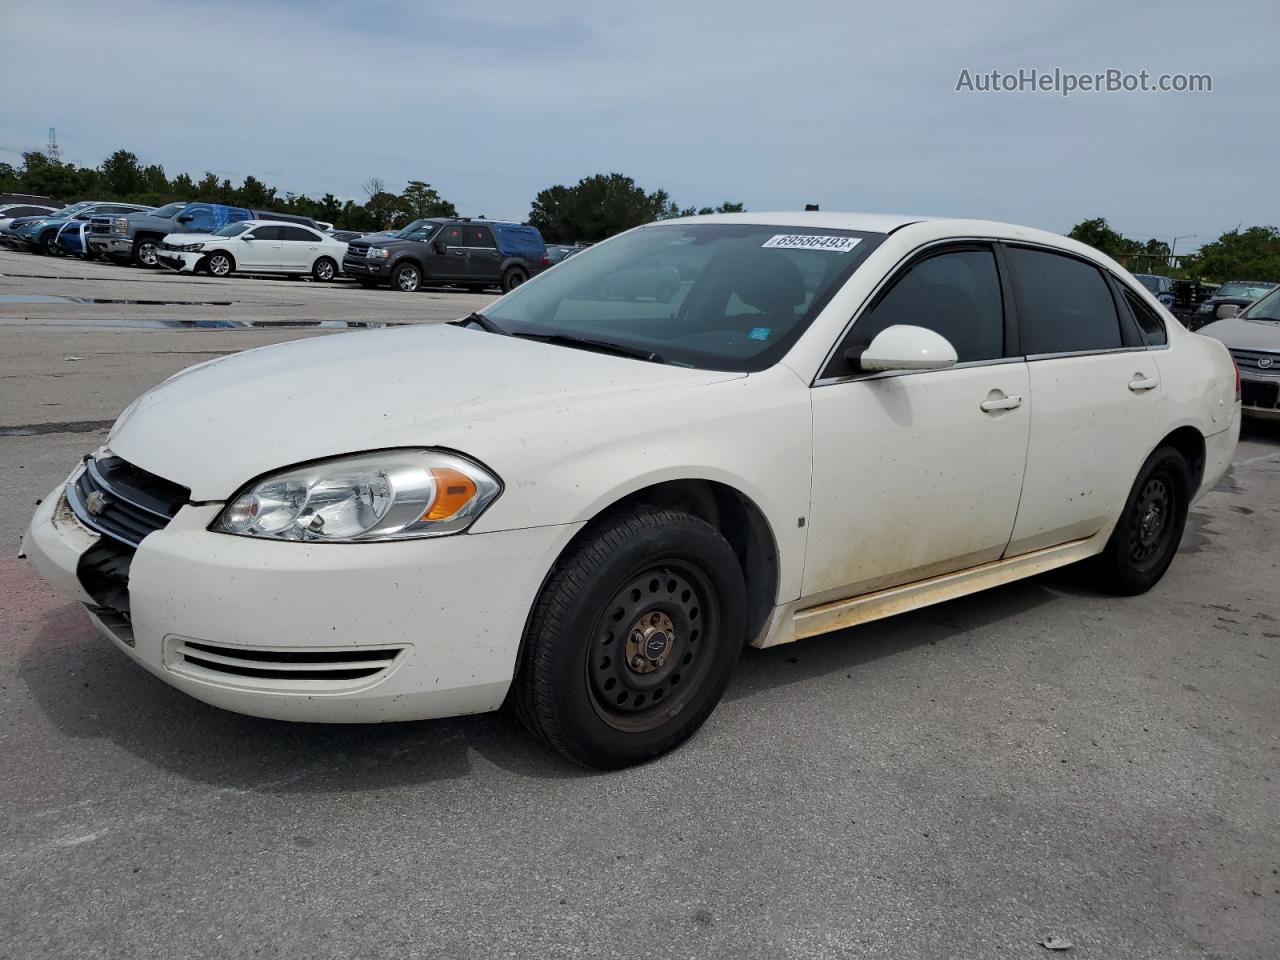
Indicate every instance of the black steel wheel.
{"type": "Point", "coordinates": [1146, 536]}
{"type": "Point", "coordinates": [652, 644]}
{"type": "Point", "coordinates": [633, 638]}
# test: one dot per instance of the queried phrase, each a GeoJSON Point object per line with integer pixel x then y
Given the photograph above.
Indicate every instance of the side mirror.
{"type": "Point", "coordinates": [903, 347]}
{"type": "Point", "coordinates": [1227, 310]}
{"type": "Point", "coordinates": [186, 217]}
{"type": "Point", "coordinates": [246, 236]}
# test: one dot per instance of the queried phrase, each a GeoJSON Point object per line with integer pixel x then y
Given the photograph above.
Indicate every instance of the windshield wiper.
{"type": "Point", "coordinates": [600, 346]}
{"type": "Point", "coordinates": [481, 321]}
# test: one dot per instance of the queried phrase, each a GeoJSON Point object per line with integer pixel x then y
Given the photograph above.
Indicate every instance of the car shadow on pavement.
{"type": "Point", "coordinates": [92, 692]}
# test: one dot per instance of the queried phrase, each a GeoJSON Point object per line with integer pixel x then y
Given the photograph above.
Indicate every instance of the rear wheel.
{"type": "Point", "coordinates": [633, 638]}
{"type": "Point", "coordinates": [406, 278]}
{"type": "Point", "coordinates": [513, 278]}
{"type": "Point", "coordinates": [324, 270]}
{"type": "Point", "coordinates": [1147, 534]}
{"type": "Point", "coordinates": [219, 264]}
{"type": "Point", "coordinates": [145, 251]}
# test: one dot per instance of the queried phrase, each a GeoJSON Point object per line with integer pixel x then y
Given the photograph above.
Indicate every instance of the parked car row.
{"type": "Point", "coordinates": [219, 240]}
{"type": "Point", "coordinates": [1253, 337]}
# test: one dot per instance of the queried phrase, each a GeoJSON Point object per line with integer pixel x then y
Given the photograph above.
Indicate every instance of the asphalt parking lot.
{"type": "Point", "coordinates": [964, 781]}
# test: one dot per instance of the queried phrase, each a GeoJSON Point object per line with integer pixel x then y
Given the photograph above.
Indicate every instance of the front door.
{"type": "Point", "coordinates": [916, 474]}
{"type": "Point", "coordinates": [1095, 393]}
{"type": "Point", "coordinates": [452, 264]}
{"type": "Point", "coordinates": [262, 252]}
{"type": "Point", "coordinates": [299, 249]}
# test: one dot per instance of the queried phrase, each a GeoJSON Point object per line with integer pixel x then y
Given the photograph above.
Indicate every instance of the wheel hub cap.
{"type": "Point", "coordinates": [649, 642]}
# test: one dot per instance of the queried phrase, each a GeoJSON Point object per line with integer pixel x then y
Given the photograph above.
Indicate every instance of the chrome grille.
{"type": "Point", "coordinates": [100, 225]}
{"type": "Point", "coordinates": [357, 249]}
{"type": "Point", "coordinates": [120, 501]}
{"type": "Point", "coordinates": [1248, 362]}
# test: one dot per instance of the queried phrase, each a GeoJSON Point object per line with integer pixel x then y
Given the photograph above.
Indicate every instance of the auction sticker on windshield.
{"type": "Point", "coordinates": [812, 241]}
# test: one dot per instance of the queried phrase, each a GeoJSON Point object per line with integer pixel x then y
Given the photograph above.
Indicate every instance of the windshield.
{"type": "Point", "coordinates": [168, 210]}
{"type": "Point", "coordinates": [70, 211]}
{"type": "Point", "coordinates": [1268, 308]}
{"type": "Point", "coordinates": [721, 296]}
{"type": "Point", "coordinates": [1152, 283]}
{"type": "Point", "coordinates": [418, 230]}
{"type": "Point", "coordinates": [1243, 290]}
{"type": "Point", "coordinates": [232, 230]}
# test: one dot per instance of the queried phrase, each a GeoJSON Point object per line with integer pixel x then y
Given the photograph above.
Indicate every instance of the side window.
{"type": "Point", "coordinates": [267, 232]}
{"type": "Point", "coordinates": [1149, 322]}
{"type": "Point", "coordinates": [452, 235]}
{"type": "Point", "coordinates": [201, 218]}
{"type": "Point", "coordinates": [1064, 305]}
{"type": "Point", "coordinates": [956, 294]}
{"type": "Point", "coordinates": [479, 237]}
{"type": "Point", "coordinates": [297, 233]}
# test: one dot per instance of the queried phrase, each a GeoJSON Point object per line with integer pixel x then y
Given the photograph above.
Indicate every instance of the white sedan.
{"type": "Point", "coordinates": [585, 501]}
{"type": "Point", "coordinates": [254, 246]}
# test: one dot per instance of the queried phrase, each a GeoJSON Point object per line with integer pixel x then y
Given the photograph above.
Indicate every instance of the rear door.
{"type": "Point", "coordinates": [484, 263]}
{"type": "Point", "coordinates": [299, 249]}
{"type": "Point", "coordinates": [1095, 398]}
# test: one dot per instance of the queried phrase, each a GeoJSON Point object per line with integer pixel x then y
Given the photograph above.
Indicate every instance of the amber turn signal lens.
{"type": "Point", "coordinates": [454, 490]}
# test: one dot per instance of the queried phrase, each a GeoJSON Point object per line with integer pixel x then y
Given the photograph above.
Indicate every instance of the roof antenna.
{"type": "Point", "coordinates": [810, 208]}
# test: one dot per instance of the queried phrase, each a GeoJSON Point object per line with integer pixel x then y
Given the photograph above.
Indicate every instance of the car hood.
{"type": "Point", "coordinates": [1240, 333]}
{"type": "Point", "coordinates": [215, 426]}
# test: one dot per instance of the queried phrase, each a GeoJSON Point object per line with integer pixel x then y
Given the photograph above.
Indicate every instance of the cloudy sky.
{"type": "Point", "coordinates": [849, 104]}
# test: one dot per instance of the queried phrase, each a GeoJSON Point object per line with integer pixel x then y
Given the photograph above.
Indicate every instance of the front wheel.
{"type": "Point", "coordinates": [633, 638]}
{"type": "Point", "coordinates": [407, 278]}
{"type": "Point", "coordinates": [219, 264]}
{"type": "Point", "coordinates": [1149, 529]}
{"type": "Point", "coordinates": [513, 278]}
{"type": "Point", "coordinates": [145, 253]}
{"type": "Point", "coordinates": [49, 244]}
{"type": "Point", "coordinates": [324, 270]}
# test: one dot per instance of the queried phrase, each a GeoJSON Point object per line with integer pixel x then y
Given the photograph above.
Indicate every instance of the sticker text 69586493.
{"type": "Point", "coordinates": [812, 241]}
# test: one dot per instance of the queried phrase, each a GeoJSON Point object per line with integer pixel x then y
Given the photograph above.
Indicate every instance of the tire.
{"type": "Point", "coordinates": [49, 244]}
{"type": "Point", "coordinates": [1150, 527]}
{"type": "Point", "coordinates": [324, 270]}
{"type": "Point", "coordinates": [632, 639]}
{"type": "Point", "coordinates": [144, 252]}
{"type": "Point", "coordinates": [219, 264]}
{"type": "Point", "coordinates": [406, 278]}
{"type": "Point", "coordinates": [513, 278]}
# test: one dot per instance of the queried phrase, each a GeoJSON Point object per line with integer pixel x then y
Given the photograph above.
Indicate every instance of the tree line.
{"type": "Point", "coordinates": [1240, 254]}
{"type": "Point", "coordinates": [594, 208]}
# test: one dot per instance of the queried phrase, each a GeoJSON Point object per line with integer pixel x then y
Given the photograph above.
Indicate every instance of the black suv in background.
{"type": "Point", "coordinates": [459, 251]}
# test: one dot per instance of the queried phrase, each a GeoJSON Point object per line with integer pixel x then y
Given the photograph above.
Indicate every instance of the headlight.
{"type": "Point", "coordinates": [377, 252]}
{"type": "Point", "coordinates": [394, 495]}
{"type": "Point", "coordinates": [191, 246]}
{"type": "Point", "coordinates": [119, 225]}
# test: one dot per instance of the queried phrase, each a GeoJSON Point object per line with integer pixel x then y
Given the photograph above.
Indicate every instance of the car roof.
{"type": "Point", "coordinates": [279, 223]}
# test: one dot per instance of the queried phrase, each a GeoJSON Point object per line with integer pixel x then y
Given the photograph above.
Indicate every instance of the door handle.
{"type": "Point", "coordinates": [1001, 403]}
{"type": "Point", "coordinates": [1140, 383]}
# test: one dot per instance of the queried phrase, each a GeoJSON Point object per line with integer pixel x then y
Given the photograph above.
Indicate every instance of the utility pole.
{"type": "Point", "coordinates": [52, 151]}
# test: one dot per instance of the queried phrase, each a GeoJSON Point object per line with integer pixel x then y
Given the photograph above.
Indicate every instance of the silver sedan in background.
{"type": "Point", "coordinates": [1253, 337]}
